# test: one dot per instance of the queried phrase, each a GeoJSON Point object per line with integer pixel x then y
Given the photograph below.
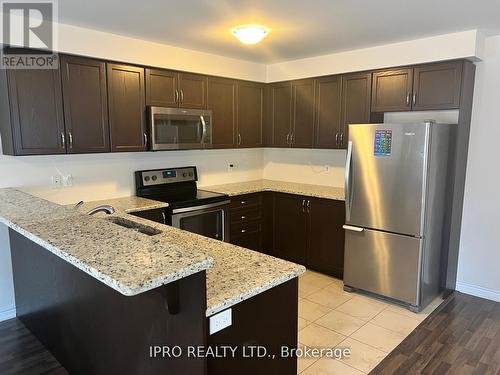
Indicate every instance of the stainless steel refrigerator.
{"type": "Point", "coordinates": [395, 189]}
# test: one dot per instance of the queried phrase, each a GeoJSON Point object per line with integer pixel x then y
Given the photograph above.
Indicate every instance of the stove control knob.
{"type": "Point", "coordinates": [190, 174]}
{"type": "Point", "coordinates": [146, 178]}
{"type": "Point", "coordinates": [154, 178]}
{"type": "Point", "coordinates": [184, 174]}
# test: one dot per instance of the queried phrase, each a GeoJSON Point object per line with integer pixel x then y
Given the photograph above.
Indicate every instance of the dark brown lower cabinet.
{"type": "Point", "coordinates": [297, 228]}
{"type": "Point", "coordinates": [325, 250]}
{"type": "Point", "coordinates": [290, 227]}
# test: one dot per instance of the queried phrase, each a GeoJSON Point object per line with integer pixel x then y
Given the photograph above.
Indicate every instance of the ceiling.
{"type": "Point", "coordinates": [300, 28]}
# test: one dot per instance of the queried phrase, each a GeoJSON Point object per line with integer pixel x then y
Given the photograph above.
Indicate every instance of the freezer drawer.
{"type": "Point", "coordinates": [383, 263]}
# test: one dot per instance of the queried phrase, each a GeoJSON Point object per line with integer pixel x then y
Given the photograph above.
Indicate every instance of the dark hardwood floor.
{"type": "Point", "coordinates": [22, 353]}
{"type": "Point", "coordinates": [461, 337]}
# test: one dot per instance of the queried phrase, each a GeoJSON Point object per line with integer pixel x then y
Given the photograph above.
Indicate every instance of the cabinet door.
{"type": "Point", "coordinates": [85, 104]}
{"type": "Point", "coordinates": [162, 88]}
{"type": "Point", "coordinates": [193, 91]}
{"type": "Point", "coordinates": [326, 237]}
{"type": "Point", "coordinates": [328, 100]}
{"type": "Point", "coordinates": [303, 113]}
{"type": "Point", "coordinates": [281, 113]}
{"type": "Point", "coordinates": [290, 227]}
{"type": "Point", "coordinates": [356, 95]}
{"type": "Point", "coordinates": [222, 102]}
{"type": "Point", "coordinates": [267, 121]}
{"type": "Point", "coordinates": [250, 104]}
{"type": "Point", "coordinates": [437, 86]}
{"type": "Point", "coordinates": [127, 104]}
{"type": "Point", "coordinates": [392, 90]}
{"type": "Point", "coordinates": [36, 111]}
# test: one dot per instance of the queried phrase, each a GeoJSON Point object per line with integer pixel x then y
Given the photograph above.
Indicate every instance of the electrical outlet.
{"type": "Point", "coordinates": [67, 180]}
{"type": "Point", "coordinates": [327, 168]}
{"type": "Point", "coordinates": [230, 167]}
{"type": "Point", "coordinates": [56, 181]}
{"type": "Point", "coordinates": [220, 321]}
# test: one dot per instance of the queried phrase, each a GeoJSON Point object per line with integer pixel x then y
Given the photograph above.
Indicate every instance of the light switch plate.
{"type": "Point", "coordinates": [220, 321]}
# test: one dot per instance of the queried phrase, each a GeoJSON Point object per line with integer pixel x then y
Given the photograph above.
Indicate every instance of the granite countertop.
{"type": "Point", "coordinates": [320, 191]}
{"type": "Point", "coordinates": [131, 262]}
{"type": "Point", "coordinates": [127, 261]}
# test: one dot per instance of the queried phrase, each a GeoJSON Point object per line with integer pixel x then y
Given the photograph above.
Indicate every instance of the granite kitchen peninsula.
{"type": "Point", "coordinates": [100, 291]}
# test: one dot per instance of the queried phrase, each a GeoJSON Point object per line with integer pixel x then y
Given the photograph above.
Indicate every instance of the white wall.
{"type": "Point", "coordinates": [479, 259]}
{"type": "Point", "coordinates": [320, 167]}
{"type": "Point", "coordinates": [466, 44]}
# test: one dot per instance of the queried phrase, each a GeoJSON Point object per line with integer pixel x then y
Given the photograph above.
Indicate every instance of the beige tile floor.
{"type": "Point", "coordinates": [330, 317]}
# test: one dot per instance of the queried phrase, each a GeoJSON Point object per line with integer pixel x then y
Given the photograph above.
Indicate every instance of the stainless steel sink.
{"type": "Point", "coordinates": [129, 224]}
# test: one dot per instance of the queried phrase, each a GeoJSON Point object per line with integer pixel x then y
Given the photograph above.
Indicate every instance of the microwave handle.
{"type": "Point", "coordinates": [204, 129]}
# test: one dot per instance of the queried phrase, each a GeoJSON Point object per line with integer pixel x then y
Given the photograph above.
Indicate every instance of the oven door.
{"type": "Point", "coordinates": [176, 128]}
{"type": "Point", "coordinates": [211, 220]}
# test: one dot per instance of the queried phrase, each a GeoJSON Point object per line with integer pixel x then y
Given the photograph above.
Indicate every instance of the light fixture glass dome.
{"type": "Point", "coordinates": [250, 34]}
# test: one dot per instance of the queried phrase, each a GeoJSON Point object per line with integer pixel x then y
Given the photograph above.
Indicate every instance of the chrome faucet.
{"type": "Point", "coordinates": [102, 208]}
{"type": "Point", "coordinates": [78, 205]}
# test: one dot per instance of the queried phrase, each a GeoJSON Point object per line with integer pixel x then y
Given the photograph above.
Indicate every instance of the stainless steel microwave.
{"type": "Point", "coordinates": [179, 128]}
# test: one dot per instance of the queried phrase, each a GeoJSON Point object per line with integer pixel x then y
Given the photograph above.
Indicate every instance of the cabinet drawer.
{"type": "Point", "coordinates": [246, 200]}
{"type": "Point", "coordinates": [244, 228]}
{"type": "Point", "coordinates": [245, 214]}
{"type": "Point", "coordinates": [250, 241]}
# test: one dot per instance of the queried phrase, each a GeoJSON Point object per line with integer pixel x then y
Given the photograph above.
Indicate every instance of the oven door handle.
{"type": "Point", "coordinates": [199, 208]}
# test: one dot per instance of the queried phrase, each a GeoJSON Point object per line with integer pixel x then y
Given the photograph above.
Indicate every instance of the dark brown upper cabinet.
{"type": "Point", "coordinates": [85, 104]}
{"type": "Point", "coordinates": [356, 96]}
{"type": "Point", "coordinates": [267, 121]}
{"type": "Point", "coordinates": [32, 120]}
{"type": "Point", "coordinates": [192, 91]}
{"type": "Point", "coordinates": [281, 113]}
{"type": "Point", "coordinates": [437, 86]}
{"type": "Point", "coordinates": [162, 88]}
{"type": "Point", "coordinates": [222, 101]}
{"type": "Point", "coordinates": [392, 90]}
{"type": "Point", "coordinates": [302, 131]}
{"type": "Point", "coordinates": [127, 107]}
{"type": "Point", "coordinates": [166, 88]}
{"type": "Point", "coordinates": [328, 128]}
{"type": "Point", "coordinates": [250, 98]}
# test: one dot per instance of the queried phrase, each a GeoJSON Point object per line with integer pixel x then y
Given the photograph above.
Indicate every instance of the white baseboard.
{"type": "Point", "coordinates": [8, 313]}
{"type": "Point", "coordinates": [479, 291]}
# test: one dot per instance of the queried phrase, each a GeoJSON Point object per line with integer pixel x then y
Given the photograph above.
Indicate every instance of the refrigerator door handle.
{"type": "Point", "coordinates": [354, 229]}
{"type": "Point", "coordinates": [347, 182]}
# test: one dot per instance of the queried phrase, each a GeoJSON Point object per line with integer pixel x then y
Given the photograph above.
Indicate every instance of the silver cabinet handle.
{"type": "Point", "coordinates": [303, 206]}
{"type": "Point", "coordinates": [243, 202]}
{"type": "Point", "coordinates": [292, 140]}
{"type": "Point", "coordinates": [408, 99]}
{"type": "Point", "coordinates": [145, 139]}
{"type": "Point", "coordinates": [63, 140]}
{"type": "Point", "coordinates": [164, 217]}
{"type": "Point", "coordinates": [288, 139]}
{"type": "Point", "coordinates": [239, 139]}
{"type": "Point", "coordinates": [70, 137]}
{"type": "Point", "coordinates": [341, 139]}
{"type": "Point", "coordinates": [182, 96]}
{"type": "Point", "coordinates": [177, 96]}
{"type": "Point", "coordinates": [352, 228]}
{"type": "Point", "coordinates": [414, 100]}
{"type": "Point", "coordinates": [308, 206]}
{"type": "Point", "coordinates": [243, 217]}
{"type": "Point", "coordinates": [337, 138]}
{"type": "Point", "coordinates": [243, 231]}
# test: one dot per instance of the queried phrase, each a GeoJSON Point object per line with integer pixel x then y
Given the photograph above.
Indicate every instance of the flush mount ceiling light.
{"type": "Point", "coordinates": [250, 34]}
